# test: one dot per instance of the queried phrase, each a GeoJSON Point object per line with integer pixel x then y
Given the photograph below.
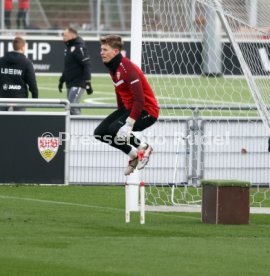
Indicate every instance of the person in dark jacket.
{"type": "Point", "coordinates": [76, 74]}
{"type": "Point", "coordinates": [17, 74]}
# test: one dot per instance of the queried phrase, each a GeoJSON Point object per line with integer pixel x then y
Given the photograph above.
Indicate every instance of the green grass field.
{"type": "Point", "coordinates": [81, 231]}
{"type": "Point", "coordinates": [169, 91]}
{"type": "Point", "coordinates": [104, 93]}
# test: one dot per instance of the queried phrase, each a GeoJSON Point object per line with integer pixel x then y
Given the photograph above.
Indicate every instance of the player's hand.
{"type": "Point", "coordinates": [60, 86]}
{"type": "Point", "coordinates": [88, 87]}
{"type": "Point", "coordinates": [125, 131]}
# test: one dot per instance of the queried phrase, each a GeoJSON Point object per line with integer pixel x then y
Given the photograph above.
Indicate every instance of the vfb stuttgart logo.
{"type": "Point", "coordinates": [48, 146]}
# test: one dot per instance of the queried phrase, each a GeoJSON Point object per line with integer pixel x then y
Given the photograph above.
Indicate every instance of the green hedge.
{"type": "Point", "coordinates": [225, 183]}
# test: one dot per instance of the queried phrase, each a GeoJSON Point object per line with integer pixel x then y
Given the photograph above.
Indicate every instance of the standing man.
{"type": "Point", "coordinates": [22, 15]}
{"type": "Point", "coordinates": [76, 74]}
{"type": "Point", "coordinates": [17, 74]}
{"type": "Point", "coordinates": [137, 106]}
{"type": "Point", "coordinates": [8, 9]}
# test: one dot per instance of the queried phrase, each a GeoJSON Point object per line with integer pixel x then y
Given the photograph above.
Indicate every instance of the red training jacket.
{"type": "Point", "coordinates": [24, 4]}
{"type": "Point", "coordinates": [8, 5]}
{"type": "Point", "coordinates": [133, 90]}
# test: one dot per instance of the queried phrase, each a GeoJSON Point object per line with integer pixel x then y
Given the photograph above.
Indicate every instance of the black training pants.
{"type": "Point", "coordinates": [108, 128]}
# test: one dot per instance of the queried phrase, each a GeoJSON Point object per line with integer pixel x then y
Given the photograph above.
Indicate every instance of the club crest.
{"type": "Point", "coordinates": [118, 74]}
{"type": "Point", "coordinates": [48, 146]}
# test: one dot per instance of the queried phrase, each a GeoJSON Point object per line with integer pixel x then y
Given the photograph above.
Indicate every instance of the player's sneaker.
{"type": "Point", "coordinates": [132, 164]}
{"type": "Point", "coordinates": [145, 158]}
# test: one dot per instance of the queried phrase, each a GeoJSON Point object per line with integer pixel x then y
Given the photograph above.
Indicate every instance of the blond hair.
{"type": "Point", "coordinates": [114, 41]}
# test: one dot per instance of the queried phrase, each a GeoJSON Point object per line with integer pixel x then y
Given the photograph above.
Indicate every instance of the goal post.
{"type": "Point", "coordinates": [261, 104]}
{"type": "Point", "coordinates": [134, 189]}
{"type": "Point", "coordinates": [214, 95]}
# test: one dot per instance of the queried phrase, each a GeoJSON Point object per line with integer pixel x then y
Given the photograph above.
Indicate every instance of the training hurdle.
{"type": "Point", "coordinates": [134, 197]}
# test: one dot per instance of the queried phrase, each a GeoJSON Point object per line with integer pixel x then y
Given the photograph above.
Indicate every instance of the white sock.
{"type": "Point", "coordinates": [142, 146]}
{"type": "Point", "coordinates": [133, 153]}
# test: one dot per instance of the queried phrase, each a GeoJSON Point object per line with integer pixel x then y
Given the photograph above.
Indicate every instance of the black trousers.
{"type": "Point", "coordinates": [7, 19]}
{"type": "Point", "coordinates": [22, 18]}
{"type": "Point", "coordinates": [106, 131]}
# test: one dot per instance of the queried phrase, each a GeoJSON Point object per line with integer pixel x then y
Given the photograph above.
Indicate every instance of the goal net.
{"type": "Point", "coordinates": [208, 62]}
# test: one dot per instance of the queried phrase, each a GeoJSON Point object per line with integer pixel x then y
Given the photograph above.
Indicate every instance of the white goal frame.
{"type": "Point", "coordinates": [263, 109]}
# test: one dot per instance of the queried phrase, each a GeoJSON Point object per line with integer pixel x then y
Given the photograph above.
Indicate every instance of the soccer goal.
{"type": "Point", "coordinates": [208, 62]}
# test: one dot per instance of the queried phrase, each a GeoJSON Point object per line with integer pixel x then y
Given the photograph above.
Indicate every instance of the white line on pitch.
{"type": "Point", "coordinates": [60, 202]}
{"type": "Point", "coordinates": [205, 101]}
{"type": "Point", "coordinates": [55, 89]}
{"type": "Point", "coordinates": [87, 206]}
{"type": "Point", "coordinates": [98, 100]}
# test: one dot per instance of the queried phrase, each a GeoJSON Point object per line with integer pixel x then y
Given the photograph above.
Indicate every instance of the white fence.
{"type": "Point", "coordinates": [186, 150]}
{"type": "Point", "coordinates": [104, 16]}
{"type": "Point", "coordinates": [228, 149]}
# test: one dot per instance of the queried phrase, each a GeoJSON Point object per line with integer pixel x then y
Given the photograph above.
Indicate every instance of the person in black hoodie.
{"type": "Point", "coordinates": [77, 73]}
{"type": "Point", "coordinates": [17, 74]}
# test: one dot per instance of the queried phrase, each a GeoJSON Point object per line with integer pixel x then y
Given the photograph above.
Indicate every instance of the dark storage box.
{"type": "Point", "coordinates": [225, 202]}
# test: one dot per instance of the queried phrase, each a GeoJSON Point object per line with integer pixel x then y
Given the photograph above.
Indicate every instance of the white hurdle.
{"type": "Point", "coordinates": [135, 200]}
{"type": "Point", "coordinates": [142, 203]}
{"type": "Point", "coordinates": [135, 194]}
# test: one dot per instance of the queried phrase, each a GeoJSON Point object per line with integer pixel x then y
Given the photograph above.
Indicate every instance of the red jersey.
{"type": "Point", "coordinates": [8, 5]}
{"type": "Point", "coordinates": [133, 90]}
{"type": "Point", "coordinates": [24, 4]}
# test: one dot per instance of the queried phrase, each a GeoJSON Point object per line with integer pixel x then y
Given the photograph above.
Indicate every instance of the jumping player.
{"type": "Point", "coordinates": [137, 105]}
